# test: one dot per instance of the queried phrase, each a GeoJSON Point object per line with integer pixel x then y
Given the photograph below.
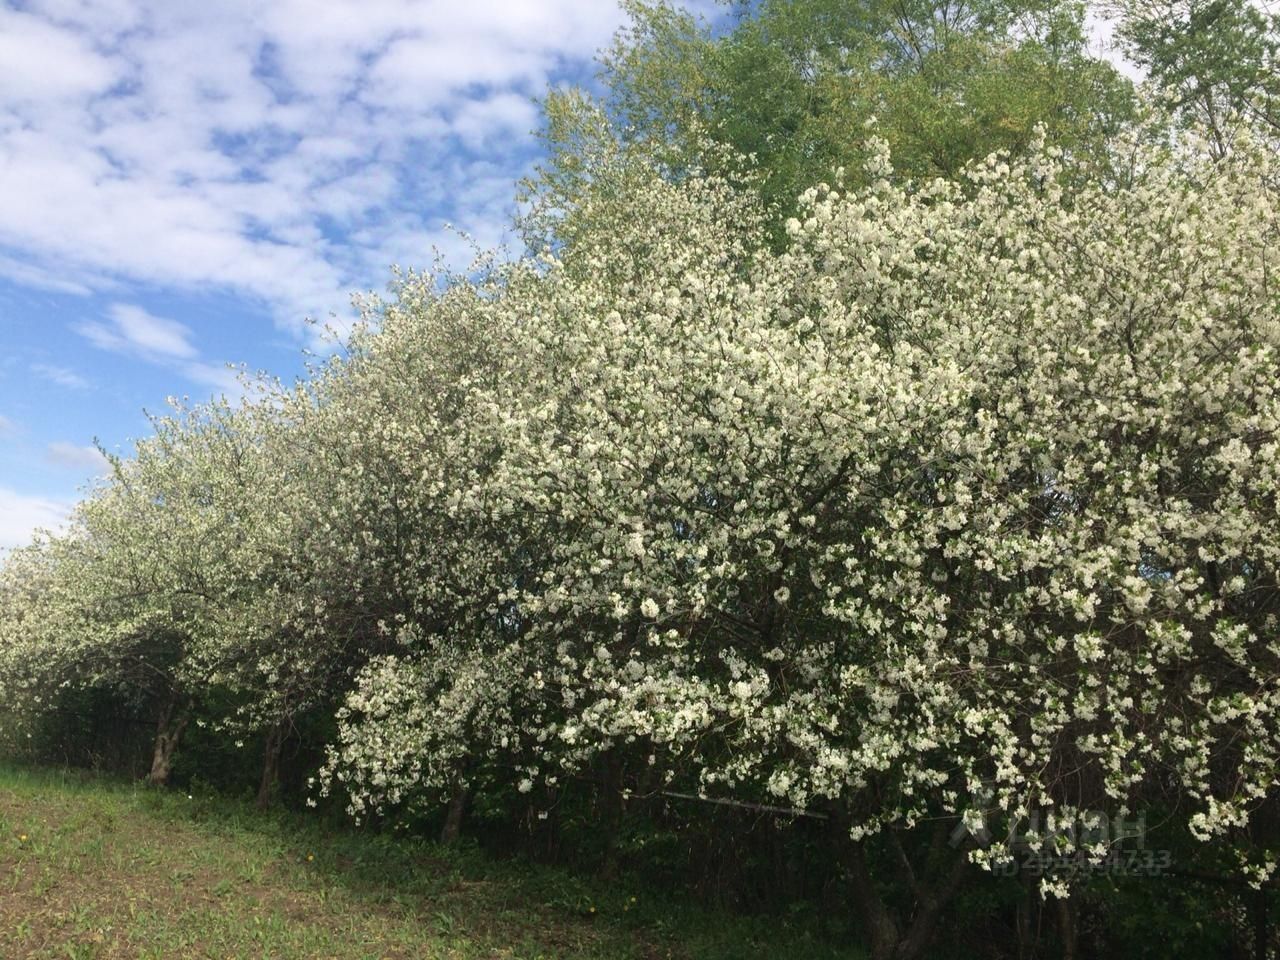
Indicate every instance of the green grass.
{"type": "Point", "coordinates": [97, 868]}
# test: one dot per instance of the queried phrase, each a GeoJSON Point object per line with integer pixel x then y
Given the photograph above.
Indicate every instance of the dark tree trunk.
{"type": "Point", "coordinates": [1025, 919]}
{"type": "Point", "coordinates": [169, 728]}
{"type": "Point", "coordinates": [895, 937]}
{"type": "Point", "coordinates": [1261, 935]}
{"type": "Point", "coordinates": [269, 786]}
{"type": "Point", "coordinates": [611, 810]}
{"type": "Point", "coordinates": [543, 818]}
{"type": "Point", "coordinates": [877, 921]}
{"type": "Point", "coordinates": [452, 830]}
{"type": "Point", "coordinates": [1067, 928]}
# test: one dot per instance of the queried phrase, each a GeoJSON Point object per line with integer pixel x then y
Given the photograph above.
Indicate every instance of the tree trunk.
{"type": "Point", "coordinates": [269, 786]}
{"type": "Point", "coordinates": [1027, 904]}
{"type": "Point", "coordinates": [173, 721]}
{"type": "Point", "coordinates": [902, 938]}
{"type": "Point", "coordinates": [1067, 928]}
{"type": "Point", "coordinates": [452, 830]}
{"type": "Point", "coordinates": [879, 923]}
{"type": "Point", "coordinates": [544, 825]}
{"type": "Point", "coordinates": [611, 810]}
{"type": "Point", "coordinates": [1261, 935]}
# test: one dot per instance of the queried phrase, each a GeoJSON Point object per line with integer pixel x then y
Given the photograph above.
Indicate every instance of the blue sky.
{"type": "Point", "coordinates": [183, 184]}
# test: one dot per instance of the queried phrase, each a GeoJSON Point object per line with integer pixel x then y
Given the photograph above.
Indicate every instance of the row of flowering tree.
{"type": "Point", "coordinates": [958, 506]}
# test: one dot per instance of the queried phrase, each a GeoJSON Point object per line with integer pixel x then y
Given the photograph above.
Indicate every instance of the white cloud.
{"type": "Point", "coordinates": [7, 426]}
{"type": "Point", "coordinates": [40, 277]}
{"type": "Point", "coordinates": [29, 46]}
{"type": "Point", "coordinates": [276, 151]}
{"type": "Point", "coordinates": [480, 123]}
{"type": "Point", "coordinates": [21, 516]}
{"type": "Point", "coordinates": [62, 376]}
{"type": "Point", "coordinates": [75, 457]}
{"type": "Point", "coordinates": [224, 379]}
{"type": "Point", "coordinates": [134, 330]}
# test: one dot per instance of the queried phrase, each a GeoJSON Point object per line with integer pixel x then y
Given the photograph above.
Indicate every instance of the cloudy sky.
{"type": "Point", "coordinates": [183, 184]}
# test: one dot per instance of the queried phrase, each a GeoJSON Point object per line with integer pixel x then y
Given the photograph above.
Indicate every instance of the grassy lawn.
{"type": "Point", "coordinates": [93, 868]}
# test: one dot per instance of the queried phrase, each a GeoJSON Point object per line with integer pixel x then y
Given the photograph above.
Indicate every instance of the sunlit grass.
{"type": "Point", "coordinates": [93, 868]}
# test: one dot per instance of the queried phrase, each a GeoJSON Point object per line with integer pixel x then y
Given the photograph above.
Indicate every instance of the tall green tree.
{"type": "Point", "coordinates": [1218, 60]}
{"type": "Point", "coordinates": [793, 84]}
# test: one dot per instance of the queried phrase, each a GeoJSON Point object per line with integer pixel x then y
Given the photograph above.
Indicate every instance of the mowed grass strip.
{"type": "Point", "coordinates": [95, 868]}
